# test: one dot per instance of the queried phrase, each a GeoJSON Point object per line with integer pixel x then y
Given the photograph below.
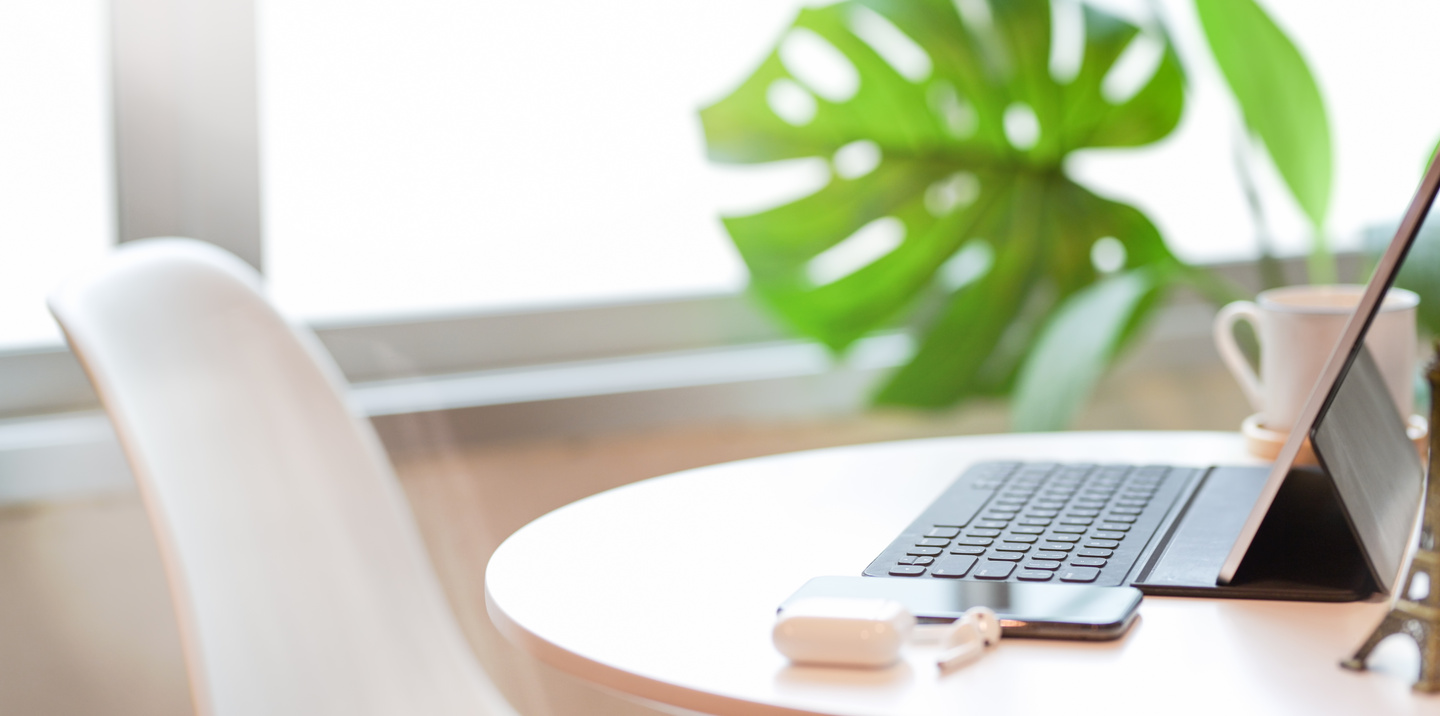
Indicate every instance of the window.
{"type": "Point", "coordinates": [444, 156]}
{"type": "Point", "coordinates": [461, 156]}
{"type": "Point", "coordinates": [54, 157]}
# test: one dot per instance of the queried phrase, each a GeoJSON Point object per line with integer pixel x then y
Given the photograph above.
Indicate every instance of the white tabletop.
{"type": "Point", "coordinates": [667, 590]}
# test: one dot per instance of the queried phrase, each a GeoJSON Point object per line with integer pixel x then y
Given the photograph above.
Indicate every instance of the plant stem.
{"type": "Point", "coordinates": [1322, 262]}
{"type": "Point", "coordinates": [1271, 274]}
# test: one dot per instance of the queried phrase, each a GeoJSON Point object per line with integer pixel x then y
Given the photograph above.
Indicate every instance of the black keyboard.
{"type": "Point", "coordinates": [1038, 522]}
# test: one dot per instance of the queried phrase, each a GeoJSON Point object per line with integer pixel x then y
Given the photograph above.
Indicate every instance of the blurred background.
{"type": "Point", "coordinates": [500, 219]}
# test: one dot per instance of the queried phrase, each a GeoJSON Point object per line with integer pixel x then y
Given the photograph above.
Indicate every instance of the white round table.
{"type": "Point", "coordinates": [666, 590]}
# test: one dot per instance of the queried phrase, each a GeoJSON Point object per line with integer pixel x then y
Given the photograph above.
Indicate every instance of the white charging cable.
{"type": "Point", "coordinates": [845, 631]}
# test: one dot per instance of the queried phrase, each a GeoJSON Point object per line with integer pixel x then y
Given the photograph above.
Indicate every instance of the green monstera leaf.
{"type": "Point", "coordinates": [1281, 103]}
{"type": "Point", "coordinates": [961, 131]}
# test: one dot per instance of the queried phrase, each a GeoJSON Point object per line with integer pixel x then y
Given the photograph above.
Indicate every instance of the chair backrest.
{"type": "Point", "coordinates": [300, 579]}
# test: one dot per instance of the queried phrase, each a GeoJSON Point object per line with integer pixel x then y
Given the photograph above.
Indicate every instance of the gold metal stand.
{"type": "Point", "coordinates": [1416, 611]}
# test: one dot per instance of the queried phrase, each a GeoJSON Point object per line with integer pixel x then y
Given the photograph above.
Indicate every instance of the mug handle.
{"type": "Point", "coordinates": [1230, 351]}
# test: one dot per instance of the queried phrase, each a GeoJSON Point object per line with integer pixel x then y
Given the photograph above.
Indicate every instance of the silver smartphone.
{"type": "Point", "coordinates": [1038, 611]}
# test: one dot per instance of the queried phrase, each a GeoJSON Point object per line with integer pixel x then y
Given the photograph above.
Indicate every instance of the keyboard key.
{"type": "Point", "coordinates": [1074, 520]}
{"type": "Point", "coordinates": [1087, 562]}
{"type": "Point", "coordinates": [922, 561]}
{"type": "Point", "coordinates": [1027, 539]}
{"type": "Point", "coordinates": [989, 525]}
{"type": "Point", "coordinates": [905, 570]}
{"type": "Point", "coordinates": [974, 541]}
{"type": "Point", "coordinates": [1069, 529]}
{"type": "Point", "coordinates": [1084, 512]}
{"type": "Point", "coordinates": [1062, 538]}
{"type": "Point", "coordinates": [944, 532]}
{"type": "Point", "coordinates": [1049, 504]}
{"type": "Point", "coordinates": [1034, 521]}
{"type": "Point", "coordinates": [1057, 546]}
{"type": "Point", "coordinates": [933, 543]}
{"type": "Point", "coordinates": [1113, 527]}
{"type": "Point", "coordinates": [1012, 504]}
{"type": "Point", "coordinates": [1005, 556]}
{"type": "Point", "coordinates": [1042, 554]}
{"type": "Point", "coordinates": [953, 567]}
{"type": "Point", "coordinates": [1034, 575]}
{"type": "Point", "coordinates": [924, 551]}
{"type": "Point", "coordinates": [994, 570]}
{"type": "Point", "coordinates": [1124, 519]}
{"type": "Point", "coordinates": [1042, 514]}
{"type": "Point", "coordinates": [1102, 544]}
{"type": "Point", "coordinates": [1027, 530]}
{"type": "Point", "coordinates": [966, 549]}
{"type": "Point", "coordinates": [1002, 515]}
{"type": "Point", "coordinates": [987, 532]}
{"type": "Point", "coordinates": [1012, 547]}
{"type": "Point", "coordinates": [1079, 574]}
{"type": "Point", "coordinates": [1094, 553]}
{"type": "Point", "coordinates": [1042, 564]}
{"type": "Point", "coordinates": [1126, 510]}
{"type": "Point", "coordinates": [1131, 503]}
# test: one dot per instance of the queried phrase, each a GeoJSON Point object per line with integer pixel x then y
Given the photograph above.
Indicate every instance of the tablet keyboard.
{"type": "Point", "coordinates": [1037, 522]}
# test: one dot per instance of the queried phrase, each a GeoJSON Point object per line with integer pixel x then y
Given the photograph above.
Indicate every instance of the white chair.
{"type": "Point", "coordinates": [300, 579]}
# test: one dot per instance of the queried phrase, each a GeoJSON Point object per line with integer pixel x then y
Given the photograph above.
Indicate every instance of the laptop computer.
{"type": "Point", "coordinates": [1336, 532]}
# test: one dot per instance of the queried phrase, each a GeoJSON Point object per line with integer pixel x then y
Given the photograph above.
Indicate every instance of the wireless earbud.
{"type": "Point", "coordinates": [843, 631]}
{"type": "Point", "coordinates": [968, 637]}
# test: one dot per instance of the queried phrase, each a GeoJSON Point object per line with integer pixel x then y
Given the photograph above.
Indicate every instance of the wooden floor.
{"type": "Point", "coordinates": [87, 627]}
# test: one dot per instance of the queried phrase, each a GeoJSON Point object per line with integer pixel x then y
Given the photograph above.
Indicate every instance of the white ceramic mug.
{"type": "Point", "coordinates": [1299, 327]}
